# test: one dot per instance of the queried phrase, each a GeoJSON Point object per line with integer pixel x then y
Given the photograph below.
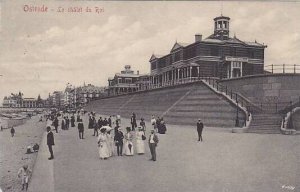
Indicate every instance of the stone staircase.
{"type": "Point", "coordinates": [203, 103]}
{"type": "Point", "coordinates": [265, 123]}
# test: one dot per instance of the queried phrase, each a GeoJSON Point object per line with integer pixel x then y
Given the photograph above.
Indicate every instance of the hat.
{"type": "Point", "coordinates": [199, 119]}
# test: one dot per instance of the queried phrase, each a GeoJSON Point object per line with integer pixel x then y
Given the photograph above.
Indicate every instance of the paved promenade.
{"type": "Point", "coordinates": [223, 162]}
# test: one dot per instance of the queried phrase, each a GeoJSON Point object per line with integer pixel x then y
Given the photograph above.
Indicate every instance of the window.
{"type": "Point", "coordinates": [153, 65]}
{"type": "Point", "coordinates": [233, 51]}
{"type": "Point", "coordinates": [119, 80]}
{"type": "Point", "coordinates": [128, 80]}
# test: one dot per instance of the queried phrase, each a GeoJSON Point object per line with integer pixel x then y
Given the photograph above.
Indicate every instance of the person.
{"type": "Point", "coordinates": [102, 144]}
{"type": "Point", "coordinates": [55, 124]}
{"type": "Point", "coordinates": [153, 140]}
{"type": "Point", "coordinates": [41, 119]}
{"type": "Point", "coordinates": [133, 122]}
{"type": "Point", "coordinates": [105, 122]}
{"type": "Point", "coordinates": [119, 141]}
{"type": "Point", "coordinates": [200, 129]}
{"type": "Point", "coordinates": [110, 143]}
{"type": "Point", "coordinates": [80, 129]}
{"type": "Point", "coordinates": [67, 122]}
{"type": "Point", "coordinates": [128, 145]}
{"type": "Point", "coordinates": [143, 124]}
{"type": "Point", "coordinates": [118, 120]}
{"type": "Point", "coordinates": [72, 121]}
{"type": "Point", "coordinates": [63, 124]}
{"type": "Point", "coordinates": [109, 121]}
{"type": "Point", "coordinates": [140, 137]}
{"type": "Point", "coordinates": [12, 131]}
{"type": "Point", "coordinates": [153, 121]}
{"type": "Point", "coordinates": [50, 142]}
{"type": "Point", "coordinates": [162, 127]}
{"type": "Point", "coordinates": [96, 127]}
{"type": "Point", "coordinates": [25, 172]}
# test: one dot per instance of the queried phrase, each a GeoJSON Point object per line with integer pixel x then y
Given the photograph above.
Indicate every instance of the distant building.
{"type": "Point", "coordinates": [17, 101]}
{"type": "Point", "coordinates": [126, 81]}
{"type": "Point", "coordinates": [219, 55]}
{"type": "Point", "coordinates": [86, 93]}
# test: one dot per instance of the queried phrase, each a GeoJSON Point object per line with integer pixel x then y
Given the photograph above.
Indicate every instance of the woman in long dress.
{"type": "Point", "coordinates": [128, 144]}
{"type": "Point", "coordinates": [110, 143]}
{"type": "Point", "coordinates": [140, 145]}
{"type": "Point", "coordinates": [103, 146]}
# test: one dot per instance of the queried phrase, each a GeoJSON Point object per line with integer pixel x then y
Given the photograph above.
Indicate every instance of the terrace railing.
{"type": "Point", "coordinates": [283, 68]}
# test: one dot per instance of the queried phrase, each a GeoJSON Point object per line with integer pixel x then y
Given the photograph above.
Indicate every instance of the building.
{"type": "Point", "coordinates": [219, 56]}
{"type": "Point", "coordinates": [86, 93]}
{"type": "Point", "coordinates": [126, 82]}
{"type": "Point", "coordinates": [17, 101]}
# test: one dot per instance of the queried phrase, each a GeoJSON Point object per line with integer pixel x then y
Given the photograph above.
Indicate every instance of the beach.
{"type": "Point", "coordinates": [13, 149]}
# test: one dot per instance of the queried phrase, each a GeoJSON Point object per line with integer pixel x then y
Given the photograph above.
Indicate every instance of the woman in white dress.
{"type": "Point", "coordinates": [128, 145]}
{"type": "Point", "coordinates": [140, 145]}
{"type": "Point", "coordinates": [103, 145]}
{"type": "Point", "coordinates": [110, 143]}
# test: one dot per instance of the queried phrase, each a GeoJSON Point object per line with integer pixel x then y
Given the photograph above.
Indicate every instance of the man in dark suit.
{"type": "Point", "coordinates": [50, 142]}
{"type": "Point", "coordinates": [80, 129]}
{"type": "Point", "coordinates": [119, 141]}
{"type": "Point", "coordinates": [153, 140]}
{"type": "Point", "coordinates": [200, 129]}
{"type": "Point", "coordinates": [55, 124]}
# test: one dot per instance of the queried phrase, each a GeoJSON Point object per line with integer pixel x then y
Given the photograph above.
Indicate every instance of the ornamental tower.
{"type": "Point", "coordinates": [221, 27]}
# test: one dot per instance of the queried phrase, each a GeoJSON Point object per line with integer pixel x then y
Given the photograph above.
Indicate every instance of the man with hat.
{"type": "Point", "coordinates": [119, 141]}
{"type": "Point", "coordinates": [199, 129]}
{"type": "Point", "coordinates": [50, 142]}
{"type": "Point", "coordinates": [153, 140]}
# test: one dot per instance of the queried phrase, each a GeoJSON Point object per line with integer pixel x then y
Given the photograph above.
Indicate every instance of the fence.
{"type": "Point", "coordinates": [283, 68]}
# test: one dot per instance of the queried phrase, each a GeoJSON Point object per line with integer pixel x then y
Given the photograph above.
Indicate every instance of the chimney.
{"type": "Point", "coordinates": [137, 72]}
{"type": "Point", "coordinates": [198, 37]}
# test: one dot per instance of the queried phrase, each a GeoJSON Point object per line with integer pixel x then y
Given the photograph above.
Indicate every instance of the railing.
{"type": "Point", "coordinates": [283, 68]}
{"type": "Point", "coordinates": [240, 101]}
{"type": "Point", "coordinates": [288, 113]}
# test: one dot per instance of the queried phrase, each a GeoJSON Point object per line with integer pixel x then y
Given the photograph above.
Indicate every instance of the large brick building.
{"type": "Point", "coordinates": [219, 55]}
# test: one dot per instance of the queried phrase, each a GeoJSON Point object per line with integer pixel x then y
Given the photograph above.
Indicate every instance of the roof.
{"type": "Point", "coordinates": [233, 40]}
{"type": "Point", "coordinates": [178, 45]}
{"type": "Point", "coordinates": [126, 75]}
{"type": "Point", "coordinates": [155, 56]}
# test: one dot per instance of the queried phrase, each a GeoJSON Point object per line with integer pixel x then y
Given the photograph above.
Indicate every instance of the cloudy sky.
{"type": "Point", "coordinates": [42, 52]}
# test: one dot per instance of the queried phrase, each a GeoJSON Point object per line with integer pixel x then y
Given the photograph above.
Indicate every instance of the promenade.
{"type": "Point", "coordinates": [222, 162]}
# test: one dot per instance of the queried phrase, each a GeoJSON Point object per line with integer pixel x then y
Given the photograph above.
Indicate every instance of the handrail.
{"type": "Point", "coordinates": [235, 98]}
{"type": "Point", "coordinates": [283, 68]}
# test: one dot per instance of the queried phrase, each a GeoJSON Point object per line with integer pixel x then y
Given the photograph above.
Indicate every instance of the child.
{"type": "Point", "coordinates": [24, 172]}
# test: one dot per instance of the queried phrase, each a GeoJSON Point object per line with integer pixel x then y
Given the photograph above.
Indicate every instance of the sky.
{"type": "Point", "coordinates": [40, 52]}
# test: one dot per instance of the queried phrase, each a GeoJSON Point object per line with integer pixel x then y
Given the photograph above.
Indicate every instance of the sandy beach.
{"type": "Point", "coordinates": [13, 149]}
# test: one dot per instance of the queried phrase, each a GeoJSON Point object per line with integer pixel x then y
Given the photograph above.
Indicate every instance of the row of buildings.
{"type": "Point", "coordinates": [219, 56]}
{"type": "Point", "coordinates": [71, 97]}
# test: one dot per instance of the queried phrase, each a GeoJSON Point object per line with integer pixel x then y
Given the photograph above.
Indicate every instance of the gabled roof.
{"type": "Point", "coordinates": [178, 45]}
{"type": "Point", "coordinates": [155, 56]}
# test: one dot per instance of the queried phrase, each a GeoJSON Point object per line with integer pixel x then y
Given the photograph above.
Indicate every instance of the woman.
{"type": "Point", "coordinates": [63, 124]}
{"type": "Point", "coordinates": [128, 145]}
{"type": "Point", "coordinates": [140, 146]}
{"type": "Point", "coordinates": [102, 144]}
{"type": "Point", "coordinates": [110, 143]}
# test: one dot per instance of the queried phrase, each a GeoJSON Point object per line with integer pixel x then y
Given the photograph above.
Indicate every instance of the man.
{"type": "Point", "coordinates": [153, 140]}
{"type": "Point", "coordinates": [25, 172]}
{"type": "Point", "coordinates": [80, 129]}
{"type": "Point", "coordinates": [55, 124]}
{"type": "Point", "coordinates": [50, 142]}
{"type": "Point", "coordinates": [12, 132]}
{"type": "Point", "coordinates": [109, 121]}
{"type": "Point", "coordinates": [119, 141]}
{"type": "Point", "coordinates": [199, 129]}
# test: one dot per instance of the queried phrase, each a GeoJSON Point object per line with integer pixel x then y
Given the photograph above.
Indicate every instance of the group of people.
{"type": "Point", "coordinates": [126, 143]}
{"type": "Point", "coordinates": [158, 124]}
